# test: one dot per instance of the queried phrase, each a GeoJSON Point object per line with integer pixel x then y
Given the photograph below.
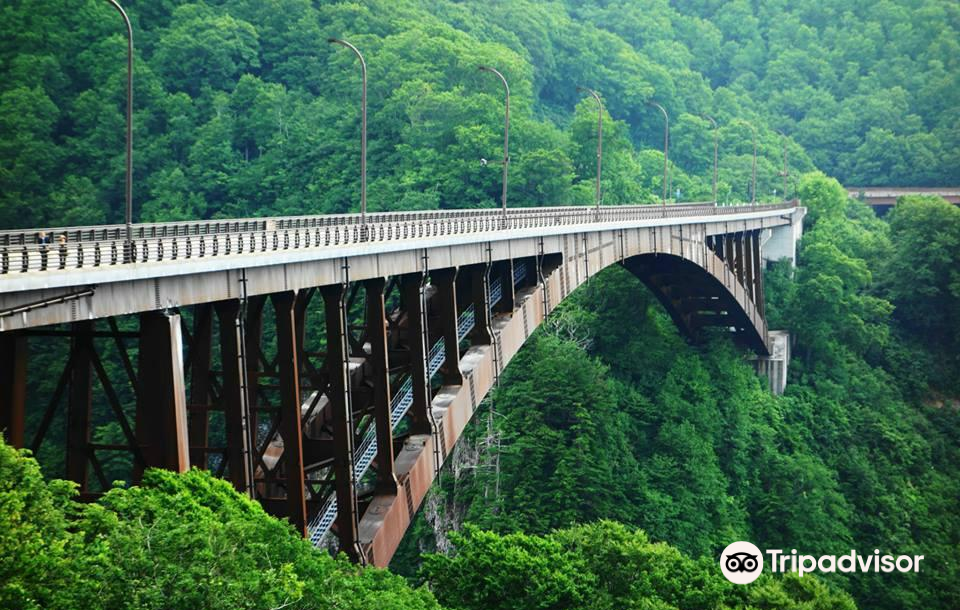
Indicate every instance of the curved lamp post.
{"type": "Point", "coordinates": [786, 172]}
{"type": "Point", "coordinates": [506, 135]}
{"type": "Point", "coordinates": [716, 151]}
{"type": "Point", "coordinates": [363, 132]}
{"type": "Point", "coordinates": [666, 146]}
{"type": "Point", "coordinates": [596, 96]}
{"type": "Point", "coordinates": [128, 216]}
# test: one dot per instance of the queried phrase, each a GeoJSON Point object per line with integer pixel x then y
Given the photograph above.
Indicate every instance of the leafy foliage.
{"type": "Point", "coordinates": [608, 404]}
{"type": "Point", "coordinates": [176, 541]}
{"type": "Point", "coordinates": [603, 566]}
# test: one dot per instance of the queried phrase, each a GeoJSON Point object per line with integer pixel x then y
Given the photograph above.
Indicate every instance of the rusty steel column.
{"type": "Point", "coordinates": [13, 386]}
{"type": "Point", "coordinates": [161, 421]}
{"type": "Point", "coordinates": [79, 403]}
{"type": "Point", "coordinates": [380, 377]}
{"type": "Point", "coordinates": [198, 408]}
{"type": "Point", "coordinates": [446, 300]}
{"type": "Point", "coordinates": [300, 322]}
{"type": "Point", "coordinates": [290, 425]}
{"type": "Point", "coordinates": [748, 265]}
{"type": "Point", "coordinates": [738, 257]}
{"type": "Point", "coordinates": [504, 272]}
{"type": "Point", "coordinates": [339, 395]}
{"type": "Point", "coordinates": [414, 300]}
{"type": "Point", "coordinates": [233, 397]}
{"type": "Point", "coordinates": [480, 295]}
{"type": "Point", "coordinates": [758, 275]}
{"type": "Point", "coordinates": [252, 341]}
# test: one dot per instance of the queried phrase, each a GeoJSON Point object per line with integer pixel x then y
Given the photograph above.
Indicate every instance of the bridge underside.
{"type": "Point", "coordinates": [335, 405]}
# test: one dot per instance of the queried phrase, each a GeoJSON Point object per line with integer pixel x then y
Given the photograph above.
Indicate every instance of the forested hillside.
{"type": "Point", "coordinates": [242, 108]}
{"type": "Point", "coordinates": [183, 542]}
{"type": "Point", "coordinates": [607, 413]}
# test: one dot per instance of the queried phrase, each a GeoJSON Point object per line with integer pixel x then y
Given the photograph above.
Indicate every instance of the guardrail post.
{"type": "Point", "coordinates": [13, 386]}
{"type": "Point", "coordinates": [289, 414]}
{"type": "Point", "coordinates": [446, 300]}
{"type": "Point", "coordinates": [380, 378]}
{"type": "Point", "coordinates": [339, 394]}
{"type": "Point", "coordinates": [161, 419]}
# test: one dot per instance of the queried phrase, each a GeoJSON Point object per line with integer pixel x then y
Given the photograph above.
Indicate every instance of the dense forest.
{"type": "Point", "coordinates": [616, 459]}
{"type": "Point", "coordinates": [242, 108]}
{"type": "Point", "coordinates": [607, 413]}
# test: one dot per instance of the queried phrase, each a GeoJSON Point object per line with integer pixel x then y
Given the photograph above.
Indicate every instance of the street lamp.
{"type": "Point", "coordinates": [786, 172]}
{"type": "Point", "coordinates": [506, 136]}
{"type": "Point", "coordinates": [716, 150]}
{"type": "Point", "coordinates": [363, 133]}
{"type": "Point", "coordinates": [596, 96]}
{"type": "Point", "coordinates": [128, 216]}
{"type": "Point", "coordinates": [666, 146]}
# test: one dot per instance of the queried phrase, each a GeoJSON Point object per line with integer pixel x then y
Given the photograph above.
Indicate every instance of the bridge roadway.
{"type": "Point", "coordinates": [341, 425]}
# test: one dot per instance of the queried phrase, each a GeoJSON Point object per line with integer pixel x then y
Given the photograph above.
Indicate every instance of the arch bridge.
{"type": "Point", "coordinates": [324, 367]}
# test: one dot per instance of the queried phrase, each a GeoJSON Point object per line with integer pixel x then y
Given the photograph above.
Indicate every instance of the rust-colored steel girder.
{"type": "Point", "coordinates": [339, 394]}
{"type": "Point", "coordinates": [161, 421]}
{"type": "Point", "coordinates": [13, 386]}
{"type": "Point", "coordinates": [289, 413]}
{"type": "Point", "coordinates": [233, 397]}
{"type": "Point", "coordinates": [379, 376]}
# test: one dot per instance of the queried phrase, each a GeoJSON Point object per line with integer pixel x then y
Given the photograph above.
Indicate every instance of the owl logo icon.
{"type": "Point", "coordinates": [741, 563]}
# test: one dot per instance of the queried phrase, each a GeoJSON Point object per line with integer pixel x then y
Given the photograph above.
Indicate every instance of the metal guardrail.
{"type": "Point", "coordinates": [95, 247]}
{"type": "Point", "coordinates": [399, 405]}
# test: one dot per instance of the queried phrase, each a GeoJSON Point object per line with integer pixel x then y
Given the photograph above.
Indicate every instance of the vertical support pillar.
{"type": "Point", "coordinates": [480, 295]}
{"type": "Point", "coordinates": [748, 265]}
{"type": "Point", "coordinates": [376, 315]}
{"type": "Point", "coordinates": [13, 386]}
{"type": "Point", "coordinates": [233, 397]}
{"type": "Point", "coordinates": [446, 301]}
{"type": "Point", "coordinates": [414, 300]}
{"type": "Point", "coordinates": [338, 367]}
{"type": "Point", "coordinates": [738, 256]}
{"type": "Point", "coordinates": [198, 411]}
{"type": "Point", "coordinates": [252, 339]}
{"type": "Point", "coordinates": [730, 252]}
{"type": "Point", "coordinates": [289, 380]}
{"type": "Point", "coordinates": [79, 405]}
{"type": "Point", "coordinates": [504, 272]}
{"type": "Point", "coordinates": [758, 275]}
{"type": "Point", "coordinates": [300, 321]}
{"type": "Point", "coordinates": [162, 402]}
{"type": "Point", "coordinates": [532, 277]}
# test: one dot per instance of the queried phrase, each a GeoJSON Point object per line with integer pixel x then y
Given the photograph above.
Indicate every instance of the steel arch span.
{"type": "Point", "coordinates": [337, 366]}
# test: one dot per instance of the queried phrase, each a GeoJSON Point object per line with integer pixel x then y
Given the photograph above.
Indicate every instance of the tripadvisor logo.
{"type": "Point", "coordinates": [742, 562]}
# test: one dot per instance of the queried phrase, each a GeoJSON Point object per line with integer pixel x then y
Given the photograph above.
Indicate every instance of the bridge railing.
{"type": "Point", "coordinates": [96, 247]}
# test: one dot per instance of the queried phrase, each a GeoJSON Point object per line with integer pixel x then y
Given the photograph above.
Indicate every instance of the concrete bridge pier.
{"type": "Point", "coordinates": [774, 367]}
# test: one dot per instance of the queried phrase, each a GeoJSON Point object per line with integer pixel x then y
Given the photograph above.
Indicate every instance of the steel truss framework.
{"type": "Point", "coordinates": [313, 401]}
